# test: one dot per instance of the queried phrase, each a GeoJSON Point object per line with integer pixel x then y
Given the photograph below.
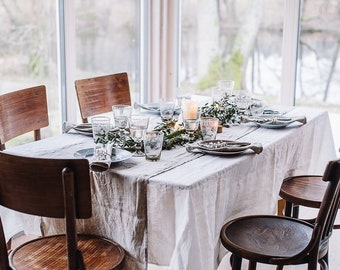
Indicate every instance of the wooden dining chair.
{"type": "Point", "coordinates": [56, 188]}
{"type": "Point", "coordinates": [302, 190]}
{"type": "Point", "coordinates": [23, 111]}
{"type": "Point", "coordinates": [97, 95]}
{"type": "Point", "coordinates": [281, 240]}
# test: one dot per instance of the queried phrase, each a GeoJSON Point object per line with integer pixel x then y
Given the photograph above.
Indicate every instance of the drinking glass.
{"type": "Point", "coordinates": [243, 100]}
{"type": "Point", "coordinates": [180, 96]}
{"type": "Point", "coordinates": [153, 143]}
{"type": "Point", "coordinates": [191, 125]}
{"type": "Point", "coordinates": [122, 114]}
{"type": "Point", "coordinates": [209, 126]}
{"type": "Point", "coordinates": [100, 129]}
{"type": "Point", "coordinates": [167, 109]}
{"type": "Point", "coordinates": [138, 127]}
{"type": "Point", "coordinates": [223, 87]}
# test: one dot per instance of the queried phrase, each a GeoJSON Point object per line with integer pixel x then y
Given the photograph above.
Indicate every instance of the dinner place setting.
{"type": "Point", "coordinates": [199, 127]}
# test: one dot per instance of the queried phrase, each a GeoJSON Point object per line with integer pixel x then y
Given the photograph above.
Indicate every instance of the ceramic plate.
{"type": "Point", "coordinates": [117, 154]}
{"type": "Point", "coordinates": [222, 153]}
{"type": "Point", "coordinates": [85, 129]}
{"type": "Point", "coordinates": [220, 147]}
{"type": "Point", "coordinates": [154, 108]}
{"type": "Point", "coordinates": [268, 121]}
{"type": "Point", "coordinates": [223, 146]}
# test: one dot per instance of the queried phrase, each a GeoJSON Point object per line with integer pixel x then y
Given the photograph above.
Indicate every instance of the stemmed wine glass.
{"type": "Point", "coordinates": [122, 114]}
{"type": "Point", "coordinates": [138, 127]}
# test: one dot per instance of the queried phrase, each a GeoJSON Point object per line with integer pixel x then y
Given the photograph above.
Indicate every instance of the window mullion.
{"type": "Point", "coordinates": [291, 34]}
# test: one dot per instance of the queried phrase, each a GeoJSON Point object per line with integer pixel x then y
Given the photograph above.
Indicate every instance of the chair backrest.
{"type": "Point", "coordinates": [97, 95]}
{"type": "Point", "coordinates": [328, 210]}
{"type": "Point", "coordinates": [23, 111]}
{"type": "Point", "coordinates": [58, 188]}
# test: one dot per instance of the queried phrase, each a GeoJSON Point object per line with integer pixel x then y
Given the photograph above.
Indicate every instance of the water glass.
{"type": "Point", "coordinates": [191, 125]}
{"type": "Point", "coordinates": [167, 109]}
{"type": "Point", "coordinates": [153, 143]}
{"type": "Point", "coordinates": [243, 100]}
{"type": "Point", "coordinates": [223, 87]}
{"type": "Point", "coordinates": [227, 86]}
{"type": "Point", "coordinates": [209, 126]}
{"type": "Point", "coordinates": [122, 114]}
{"type": "Point", "coordinates": [100, 129]}
{"type": "Point", "coordinates": [138, 127]}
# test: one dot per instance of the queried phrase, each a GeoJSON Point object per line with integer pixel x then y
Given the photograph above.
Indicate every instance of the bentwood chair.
{"type": "Point", "coordinates": [302, 190]}
{"type": "Point", "coordinates": [56, 188]}
{"type": "Point", "coordinates": [281, 240]}
{"type": "Point", "coordinates": [97, 95]}
{"type": "Point", "coordinates": [23, 111]}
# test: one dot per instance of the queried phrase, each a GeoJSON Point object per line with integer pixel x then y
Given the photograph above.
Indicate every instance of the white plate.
{"type": "Point", "coordinates": [223, 146]}
{"type": "Point", "coordinates": [220, 147]}
{"type": "Point", "coordinates": [154, 108]}
{"type": "Point", "coordinates": [117, 154]}
{"type": "Point", "coordinates": [273, 125]}
{"type": "Point", "coordinates": [222, 153]}
{"type": "Point", "coordinates": [279, 121]}
{"type": "Point", "coordinates": [84, 129]}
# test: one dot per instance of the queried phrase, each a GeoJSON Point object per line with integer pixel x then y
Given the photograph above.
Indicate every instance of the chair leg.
{"type": "Point", "coordinates": [323, 264]}
{"type": "Point", "coordinates": [236, 262]}
{"type": "Point", "coordinates": [279, 267]}
{"type": "Point", "coordinates": [288, 209]}
{"type": "Point", "coordinates": [252, 265]}
{"type": "Point", "coordinates": [296, 211]}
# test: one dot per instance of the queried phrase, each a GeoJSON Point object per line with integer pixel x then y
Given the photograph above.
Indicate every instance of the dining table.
{"type": "Point", "coordinates": [168, 214]}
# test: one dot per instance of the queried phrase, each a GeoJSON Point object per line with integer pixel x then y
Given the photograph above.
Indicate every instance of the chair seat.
{"type": "Point", "coordinates": [306, 190]}
{"type": "Point", "coordinates": [50, 253]}
{"type": "Point", "coordinates": [262, 238]}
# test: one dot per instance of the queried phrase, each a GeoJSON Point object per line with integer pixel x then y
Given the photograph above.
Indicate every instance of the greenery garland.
{"type": "Point", "coordinates": [174, 133]}
{"type": "Point", "coordinates": [225, 110]}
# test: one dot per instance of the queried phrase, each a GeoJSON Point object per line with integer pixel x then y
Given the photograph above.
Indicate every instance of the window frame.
{"type": "Point", "coordinates": [159, 63]}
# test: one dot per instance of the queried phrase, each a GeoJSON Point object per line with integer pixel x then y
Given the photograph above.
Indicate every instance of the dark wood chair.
{"type": "Point", "coordinates": [57, 188]}
{"type": "Point", "coordinates": [23, 111]}
{"type": "Point", "coordinates": [302, 190]}
{"type": "Point", "coordinates": [281, 240]}
{"type": "Point", "coordinates": [97, 95]}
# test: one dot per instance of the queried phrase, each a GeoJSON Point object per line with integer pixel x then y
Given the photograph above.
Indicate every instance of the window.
{"type": "Point", "coordinates": [107, 39]}
{"type": "Point", "coordinates": [236, 40]}
{"type": "Point", "coordinates": [318, 78]}
{"type": "Point", "coordinates": [28, 53]}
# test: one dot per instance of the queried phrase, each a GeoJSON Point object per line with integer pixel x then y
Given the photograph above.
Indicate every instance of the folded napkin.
{"type": "Point", "coordinates": [100, 166]}
{"type": "Point", "coordinates": [224, 146]}
{"type": "Point", "coordinates": [85, 128]}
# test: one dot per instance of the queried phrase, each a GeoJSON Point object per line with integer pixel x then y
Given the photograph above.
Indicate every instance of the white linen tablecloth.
{"type": "Point", "coordinates": [170, 212]}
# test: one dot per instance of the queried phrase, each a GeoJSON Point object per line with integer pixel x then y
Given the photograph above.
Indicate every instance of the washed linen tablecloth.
{"type": "Point", "coordinates": [169, 213]}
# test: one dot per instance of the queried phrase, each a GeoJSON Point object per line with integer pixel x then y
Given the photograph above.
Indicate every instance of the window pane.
{"type": "Point", "coordinates": [318, 66]}
{"type": "Point", "coordinates": [28, 53]}
{"type": "Point", "coordinates": [107, 39]}
{"type": "Point", "coordinates": [239, 40]}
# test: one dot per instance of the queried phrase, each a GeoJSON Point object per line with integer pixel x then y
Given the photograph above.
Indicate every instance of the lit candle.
{"type": "Point", "coordinates": [189, 109]}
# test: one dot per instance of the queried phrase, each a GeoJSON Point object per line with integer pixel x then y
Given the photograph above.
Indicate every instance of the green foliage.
{"type": "Point", "coordinates": [225, 110]}
{"type": "Point", "coordinates": [221, 68]}
{"type": "Point", "coordinates": [214, 73]}
{"type": "Point", "coordinates": [232, 68]}
{"type": "Point", "coordinates": [174, 134]}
